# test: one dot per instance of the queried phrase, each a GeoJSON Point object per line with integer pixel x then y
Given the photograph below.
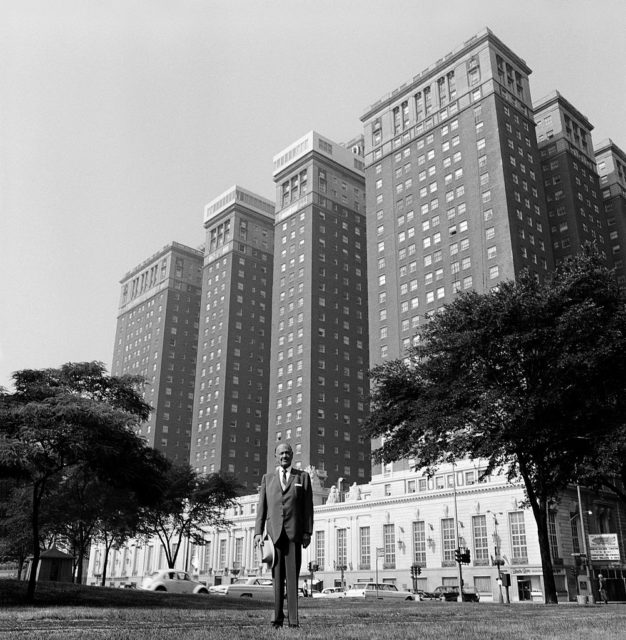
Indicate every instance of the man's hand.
{"type": "Point", "coordinates": [258, 540]}
{"type": "Point", "coordinates": [306, 540]}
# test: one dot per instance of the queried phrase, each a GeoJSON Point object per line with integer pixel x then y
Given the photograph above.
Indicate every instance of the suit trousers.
{"type": "Point", "coordinates": [286, 569]}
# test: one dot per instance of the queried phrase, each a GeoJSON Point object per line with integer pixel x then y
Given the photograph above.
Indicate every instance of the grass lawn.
{"type": "Point", "coordinates": [71, 612]}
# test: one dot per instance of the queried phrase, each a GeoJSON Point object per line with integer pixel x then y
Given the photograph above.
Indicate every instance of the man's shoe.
{"type": "Point", "coordinates": [295, 626]}
{"type": "Point", "coordinates": [277, 625]}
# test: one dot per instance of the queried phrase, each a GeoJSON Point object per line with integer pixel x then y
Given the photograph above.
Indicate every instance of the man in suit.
{"type": "Point", "coordinates": [286, 509]}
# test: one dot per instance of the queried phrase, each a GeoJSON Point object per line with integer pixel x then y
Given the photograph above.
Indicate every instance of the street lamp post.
{"type": "Point", "coordinates": [380, 552]}
{"type": "Point", "coordinates": [588, 570]}
{"type": "Point", "coordinates": [498, 560]}
{"type": "Point", "coordinates": [458, 539]}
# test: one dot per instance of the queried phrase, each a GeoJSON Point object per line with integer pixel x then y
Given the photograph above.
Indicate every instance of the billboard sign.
{"type": "Point", "coordinates": [604, 546]}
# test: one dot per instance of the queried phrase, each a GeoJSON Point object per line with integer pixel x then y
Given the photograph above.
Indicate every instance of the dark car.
{"type": "Point", "coordinates": [451, 594]}
{"type": "Point", "coordinates": [427, 595]}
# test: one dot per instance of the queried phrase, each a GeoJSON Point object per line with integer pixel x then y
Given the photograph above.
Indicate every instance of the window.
{"type": "Point", "coordinates": [419, 542]}
{"type": "Point", "coordinates": [482, 584]}
{"type": "Point", "coordinates": [479, 533]}
{"type": "Point", "coordinates": [448, 539]}
{"type": "Point", "coordinates": [342, 548]}
{"type": "Point", "coordinates": [517, 529]}
{"type": "Point", "coordinates": [320, 544]}
{"type": "Point", "coordinates": [364, 548]}
{"type": "Point", "coordinates": [552, 535]}
{"type": "Point", "coordinates": [575, 534]}
{"type": "Point", "coordinates": [389, 540]}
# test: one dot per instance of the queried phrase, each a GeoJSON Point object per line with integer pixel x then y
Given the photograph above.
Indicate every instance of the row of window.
{"type": "Point", "coordinates": [425, 543]}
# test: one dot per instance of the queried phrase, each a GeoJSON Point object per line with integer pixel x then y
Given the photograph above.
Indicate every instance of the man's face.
{"type": "Point", "coordinates": [284, 455]}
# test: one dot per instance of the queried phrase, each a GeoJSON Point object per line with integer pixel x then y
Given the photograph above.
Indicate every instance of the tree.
{"type": "Point", "coordinates": [59, 420]}
{"type": "Point", "coordinates": [87, 504]}
{"type": "Point", "coordinates": [190, 503]}
{"type": "Point", "coordinates": [530, 377]}
{"type": "Point", "coordinates": [15, 532]}
{"type": "Point", "coordinates": [606, 469]}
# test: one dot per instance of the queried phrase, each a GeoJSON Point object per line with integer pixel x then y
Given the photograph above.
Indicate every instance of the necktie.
{"type": "Point", "coordinates": [284, 477]}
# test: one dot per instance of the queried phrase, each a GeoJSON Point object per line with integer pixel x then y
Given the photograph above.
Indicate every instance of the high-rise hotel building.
{"type": "Point", "coordinates": [611, 166]}
{"type": "Point", "coordinates": [320, 337]}
{"type": "Point", "coordinates": [156, 337]}
{"type": "Point", "coordinates": [570, 178]}
{"type": "Point", "coordinates": [454, 190]}
{"type": "Point", "coordinates": [231, 393]}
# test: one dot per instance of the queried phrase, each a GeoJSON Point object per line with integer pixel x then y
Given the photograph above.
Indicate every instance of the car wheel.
{"type": "Point", "coordinates": [161, 588]}
{"type": "Point", "coordinates": [246, 595]}
{"type": "Point", "coordinates": [204, 592]}
{"type": "Point", "coordinates": [409, 598]}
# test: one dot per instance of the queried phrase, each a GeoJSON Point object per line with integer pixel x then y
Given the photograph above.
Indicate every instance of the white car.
{"type": "Point", "coordinates": [330, 592]}
{"type": "Point", "coordinates": [173, 581]}
{"type": "Point", "coordinates": [382, 591]}
{"type": "Point", "coordinates": [251, 587]}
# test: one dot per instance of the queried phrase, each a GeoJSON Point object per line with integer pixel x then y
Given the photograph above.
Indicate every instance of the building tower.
{"type": "Point", "coordinates": [157, 336]}
{"type": "Point", "coordinates": [570, 179]}
{"type": "Point", "coordinates": [231, 395]}
{"type": "Point", "coordinates": [611, 165]}
{"type": "Point", "coordinates": [454, 193]}
{"type": "Point", "coordinates": [319, 337]}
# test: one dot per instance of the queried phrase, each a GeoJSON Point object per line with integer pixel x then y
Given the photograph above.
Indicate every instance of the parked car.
{"type": "Point", "coordinates": [382, 590]}
{"type": "Point", "coordinates": [330, 592]}
{"type": "Point", "coordinates": [450, 593]}
{"type": "Point", "coordinates": [251, 587]}
{"type": "Point", "coordinates": [173, 581]}
{"type": "Point", "coordinates": [422, 595]}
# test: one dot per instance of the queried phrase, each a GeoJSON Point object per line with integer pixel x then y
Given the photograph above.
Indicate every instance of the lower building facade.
{"type": "Point", "coordinates": [376, 532]}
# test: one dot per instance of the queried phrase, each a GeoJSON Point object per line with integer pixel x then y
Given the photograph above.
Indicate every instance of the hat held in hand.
{"type": "Point", "coordinates": [268, 555]}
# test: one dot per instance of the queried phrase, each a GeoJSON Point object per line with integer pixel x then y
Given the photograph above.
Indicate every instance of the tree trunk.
{"type": "Point", "coordinates": [32, 580]}
{"type": "Point", "coordinates": [81, 552]}
{"type": "Point", "coordinates": [541, 517]}
{"type": "Point", "coordinates": [107, 546]}
{"type": "Point", "coordinates": [539, 507]}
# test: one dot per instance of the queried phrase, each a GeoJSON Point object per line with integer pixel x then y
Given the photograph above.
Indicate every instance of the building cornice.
{"type": "Point", "coordinates": [237, 195]}
{"type": "Point", "coordinates": [172, 247]}
{"type": "Point", "coordinates": [486, 35]}
{"type": "Point", "coordinates": [609, 146]}
{"type": "Point", "coordinates": [556, 97]}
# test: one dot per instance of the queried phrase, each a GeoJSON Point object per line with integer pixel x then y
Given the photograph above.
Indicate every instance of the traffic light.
{"type": "Point", "coordinates": [310, 567]}
{"type": "Point", "coordinates": [465, 558]}
{"type": "Point", "coordinates": [316, 566]}
{"type": "Point", "coordinates": [419, 570]}
{"type": "Point", "coordinates": [458, 556]}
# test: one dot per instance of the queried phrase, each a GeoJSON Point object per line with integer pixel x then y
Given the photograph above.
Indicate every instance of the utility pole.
{"type": "Point", "coordinates": [584, 537]}
{"type": "Point", "coordinates": [458, 539]}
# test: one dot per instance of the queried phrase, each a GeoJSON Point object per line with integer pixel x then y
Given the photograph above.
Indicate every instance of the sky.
{"type": "Point", "coordinates": [121, 119]}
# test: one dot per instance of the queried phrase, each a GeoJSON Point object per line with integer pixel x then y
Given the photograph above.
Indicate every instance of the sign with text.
{"type": "Point", "coordinates": [603, 546]}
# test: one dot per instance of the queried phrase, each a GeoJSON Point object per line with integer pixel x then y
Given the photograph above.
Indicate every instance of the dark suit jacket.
{"type": "Point", "coordinates": [291, 510]}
